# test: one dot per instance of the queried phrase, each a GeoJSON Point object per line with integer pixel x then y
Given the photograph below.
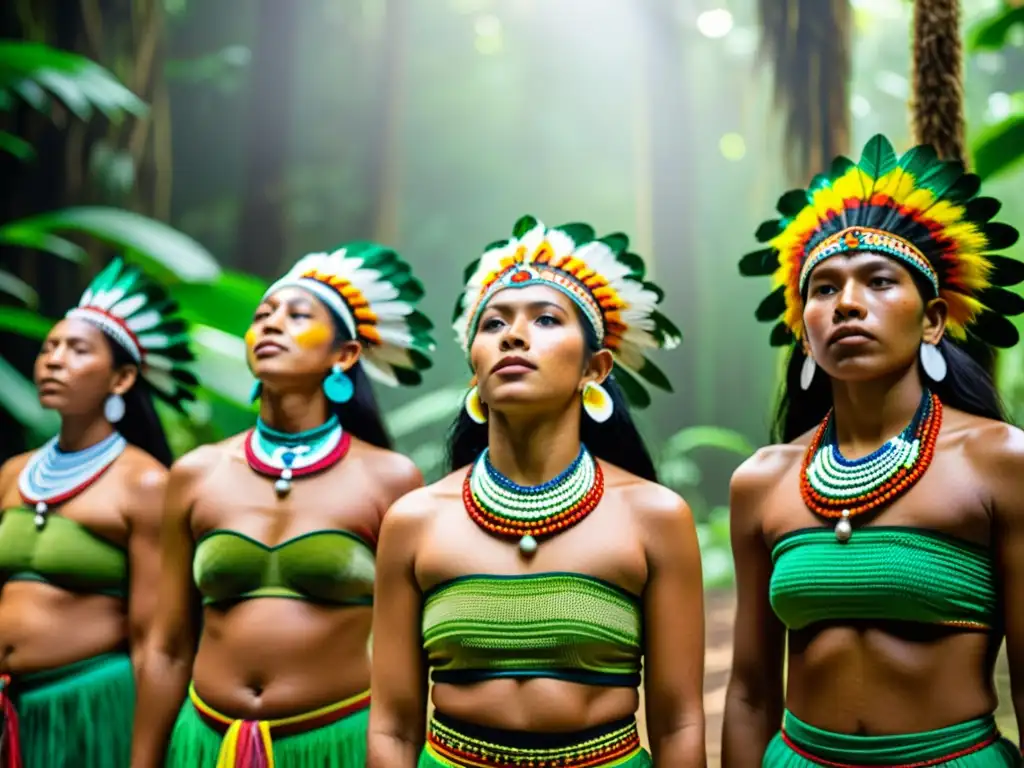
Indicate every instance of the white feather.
{"type": "Point", "coordinates": [154, 340]}
{"type": "Point", "coordinates": [161, 381]}
{"type": "Point", "coordinates": [128, 305]}
{"type": "Point", "coordinates": [160, 362]}
{"type": "Point", "coordinates": [144, 321]}
{"type": "Point", "coordinates": [380, 372]}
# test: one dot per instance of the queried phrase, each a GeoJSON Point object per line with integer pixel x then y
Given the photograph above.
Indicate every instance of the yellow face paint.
{"type": "Point", "coordinates": [250, 342]}
{"type": "Point", "coordinates": [314, 335]}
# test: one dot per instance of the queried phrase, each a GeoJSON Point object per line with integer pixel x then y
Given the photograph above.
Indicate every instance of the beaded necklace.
{"type": "Point", "coordinates": [529, 513]}
{"type": "Point", "coordinates": [836, 487]}
{"type": "Point", "coordinates": [287, 455]}
{"type": "Point", "coordinates": [52, 476]}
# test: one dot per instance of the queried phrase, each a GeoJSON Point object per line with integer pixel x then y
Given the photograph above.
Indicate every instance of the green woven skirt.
{"type": "Point", "coordinates": [331, 737]}
{"type": "Point", "coordinates": [974, 744]}
{"type": "Point", "coordinates": [77, 716]}
{"type": "Point", "coordinates": [453, 743]}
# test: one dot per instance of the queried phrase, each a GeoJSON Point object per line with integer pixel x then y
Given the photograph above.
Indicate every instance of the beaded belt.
{"type": "Point", "coordinates": [465, 745]}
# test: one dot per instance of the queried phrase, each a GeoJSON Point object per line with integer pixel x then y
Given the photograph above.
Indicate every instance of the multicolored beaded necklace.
{"type": "Point", "coordinates": [287, 455]}
{"type": "Point", "coordinates": [53, 476]}
{"type": "Point", "coordinates": [836, 487]}
{"type": "Point", "coordinates": [530, 513]}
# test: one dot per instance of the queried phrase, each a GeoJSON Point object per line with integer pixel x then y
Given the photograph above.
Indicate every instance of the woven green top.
{"type": "Point", "coordinates": [883, 573]}
{"type": "Point", "coordinates": [560, 625]}
{"type": "Point", "coordinates": [64, 553]}
{"type": "Point", "coordinates": [330, 566]}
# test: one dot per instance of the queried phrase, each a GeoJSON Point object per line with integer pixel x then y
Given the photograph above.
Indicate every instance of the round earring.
{"type": "Point", "coordinates": [256, 391]}
{"type": "Point", "coordinates": [597, 403]}
{"type": "Point", "coordinates": [338, 386]}
{"type": "Point", "coordinates": [475, 406]}
{"type": "Point", "coordinates": [932, 361]}
{"type": "Point", "coordinates": [113, 408]}
{"type": "Point", "coordinates": [807, 372]}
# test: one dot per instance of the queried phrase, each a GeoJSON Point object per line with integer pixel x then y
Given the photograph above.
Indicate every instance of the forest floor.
{"type": "Point", "coordinates": [718, 658]}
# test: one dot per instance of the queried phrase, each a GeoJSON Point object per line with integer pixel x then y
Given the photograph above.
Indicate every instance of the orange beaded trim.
{"type": "Point", "coordinates": [884, 494]}
{"type": "Point", "coordinates": [545, 526]}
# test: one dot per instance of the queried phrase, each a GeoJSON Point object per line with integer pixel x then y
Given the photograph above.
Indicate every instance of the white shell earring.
{"type": "Point", "coordinates": [932, 361]}
{"type": "Point", "coordinates": [807, 372]}
{"type": "Point", "coordinates": [113, 408]}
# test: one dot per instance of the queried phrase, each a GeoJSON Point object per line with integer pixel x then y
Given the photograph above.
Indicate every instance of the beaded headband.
{"type": "Point", "coordinates": [374, 292]}
{"type": "Point", "coordinates": [140, 317]}
{"type": "Point", "coordinates": [599, 275]}
{"type": "Point", "coordinates": [916, 209]}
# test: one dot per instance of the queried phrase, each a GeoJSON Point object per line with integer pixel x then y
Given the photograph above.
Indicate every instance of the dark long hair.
{"type": "Point", "coordinates": [141, 426]}
{"type": "Point", "coordinates": [967, 387]}
{"type": "Point", "coordinates": [360, 415]}
{"type": "Point", "coordinates": [616, 441]}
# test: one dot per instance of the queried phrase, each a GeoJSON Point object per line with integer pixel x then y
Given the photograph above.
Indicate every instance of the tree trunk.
{"type": "Point", "coordinates": [938, 97]}
{"type": "Point", "coordinates": [262, 237]}
{"type": "Point", "coordinates": [808, 45]}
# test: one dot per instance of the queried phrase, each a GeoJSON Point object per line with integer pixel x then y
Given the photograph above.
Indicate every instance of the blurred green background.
{"type": "Point", "coordinates": [215, 143]}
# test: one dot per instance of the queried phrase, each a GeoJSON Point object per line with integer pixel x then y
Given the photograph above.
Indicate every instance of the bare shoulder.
{"type": "Point", "coordinates": [408, 517]}
{"type": "Point", "coordinates": [198, 464]}
{"type": "Point", "coordinates": [389, 469]}
{"type": "Point", "coordinates": [144, 473]}
{"type": "Point", "coordinates": [655, 505]}
{"type": "Point", "coordinates": [995, 448]}
{"type": "Point", "coordinates": [10, 470]}
{"type": "Point", "coordinates": [765, 467]}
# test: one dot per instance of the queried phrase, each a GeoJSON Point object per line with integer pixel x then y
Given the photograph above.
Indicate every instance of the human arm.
{"type": "Point", "coordinates": [754, 697]}
{"type": "Point", "coordinates": [398, 679]}
{"type": "Point", "coordinates": [1001, 460]}
{"type": "Point", "coordinates": [146, 502]}
{"type": "Point", "coordinates": [166, 661]}
{"type": "Point", "coordinates": [674, 635]}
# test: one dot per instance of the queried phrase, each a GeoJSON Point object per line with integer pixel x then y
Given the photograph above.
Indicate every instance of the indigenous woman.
{"type": "Point", "coordinates": [886, 532]}
{"type": "Point", "coordinates": [277, 528]}
{"type": "Point", "coordinates": [534, 580]}
{"type": "Point", "coordinates": [79, 534]}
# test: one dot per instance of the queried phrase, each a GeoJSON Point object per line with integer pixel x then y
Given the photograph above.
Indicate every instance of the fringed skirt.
{"type": "Point", "coordinates": [974, 744]}
{"type": "Point", "coordinates": [330, 737]}
{"type": "Point", "coordinates": [77, 716]}
{"type": "Point", "coordinates": [455, 744]}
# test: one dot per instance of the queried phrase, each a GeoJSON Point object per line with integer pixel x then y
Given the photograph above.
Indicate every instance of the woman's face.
{"type": "Point", "coordinates": [865, 317]}
{"type": "Point", "coordinates": [74, 371]}
{"type": "Point", "coordinates": [529, 351]}
{"type": "Point", "coordinates": [292, 337]}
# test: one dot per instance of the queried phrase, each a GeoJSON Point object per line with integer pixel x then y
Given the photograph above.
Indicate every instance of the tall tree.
{"type": "Point", "coordinates": [807, 44]}
{"type": "Point", "coordinates": [938, 101]}
{"type": "Point", "coordinates": [262, 236]}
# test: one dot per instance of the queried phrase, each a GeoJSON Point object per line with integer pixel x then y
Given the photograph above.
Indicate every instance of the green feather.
{"type": "Point", "coordinates": [821, 181]}
{"type": "Point", "coordinates": [768, 230]}
{"type": "Point", "coordinates": [791, 203]}
{"type": "Point", "coordinates": [995, 329]}
{"type": "Point", "coordinates": [664, 328]}
{"type": "Point", "coordinates": [982, 209]}
{"type": "Point", "coordinates": [840, 166]}
{"type": "Point", "coordinates": [1002, 301]}
{"type": "Point", "coordinates": [419, 360]}
{"type": "Point", "coordinates": [773, 305]}
{"type": "Point", "coordinates": [471, 268]}
{"type": "Point", "coordinates": [524, 225]}
{"type": "Point", "coordinates": [634, 391]}
{"type": "Point", "coordinates": [634, 263]}
{"type": "Point", "coordinates": [656, 290]}
{"type": "Point", "coordinates": [417, 321]}
{"type": "Point", "coordinates": [917, 161]}
{"type": "Point", "coordinates": [780, 336]}
{"type": "Point", "coordinates": [964, 189]}
{"type": "Point", "coordinates": [1005, 270]}
{"type": "Point", "coordinates": [579, 233]}
{"type": "Point", "coordinates": [654, 375]}
{"type": "Point", "coordinates": [1000, 235]}
{"type": "Point", "coordinates": [757, 263]}
{"type": "Point", "coordinates": [406, 376]}
{"type": "Point", "coordinates": [617, 241]}
{"type": "Point", "coordinates": [878, 157]}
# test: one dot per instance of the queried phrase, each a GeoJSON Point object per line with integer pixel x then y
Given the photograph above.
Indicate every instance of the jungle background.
{"type": "Point", "coordinates": [215, 143]}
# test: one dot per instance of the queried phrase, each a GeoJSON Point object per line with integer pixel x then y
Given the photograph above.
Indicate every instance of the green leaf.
{"type": "Point", "coordinates": [686, 440]}
{"type": "Point", "coordinates": [990, 34]}
{"type": "Point", "coordinates": [16, 235]}
{"type": "Point", "coordinates": [226, 304]}
{"type": "Point", "coordinates": [18, 397]}
{"type": "Point", "coordinates": [18, 288]}
{"type": "Point", "coordinates": [1000, 147]}
{"type": "Point", "coordinates": [32, 70]}
{"type": "Point", "coordinates": [220, 364]}
{"type": "Point", "coordinates": [16, 146]}
{"type": "Point", "coordinates": [25, 322]}
{"type": "Point", "coordinates": [158, 248]}
{"type": "Point", "coordinates": [431, 408]}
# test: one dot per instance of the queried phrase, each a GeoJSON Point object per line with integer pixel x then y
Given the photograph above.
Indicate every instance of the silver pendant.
{"type": "Point", "coordinates": [40, 518]}
{"type": "Point", "coordinates": [527, 545]}
{"type": "Point", "coordinates": [843, 528]}
{"type": "Point", "coordinates": [283, 485]}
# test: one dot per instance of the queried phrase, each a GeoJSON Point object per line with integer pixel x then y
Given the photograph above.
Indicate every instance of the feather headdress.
{"type": "Point", "coordinates": [374, 293]}
{"type": "Point", "coordinates": [914, 208]}
{"type": "Point", "coordinates": [139, 315]}
{"type": "Point", "coordinates": [600, 275]}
